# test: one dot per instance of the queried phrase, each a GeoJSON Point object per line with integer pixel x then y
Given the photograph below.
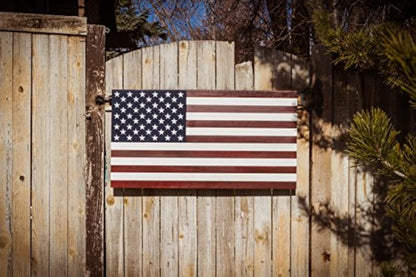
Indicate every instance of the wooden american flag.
{"type": "Point", "coordinates": [203, 139]}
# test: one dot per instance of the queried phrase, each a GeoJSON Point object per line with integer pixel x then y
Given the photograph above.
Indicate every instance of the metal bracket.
{"type": "Point", "coordinates": [101, 100]}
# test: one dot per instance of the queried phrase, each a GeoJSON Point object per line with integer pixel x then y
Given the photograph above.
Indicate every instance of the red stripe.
{"type": "Point", "coordinates": [248, 124]}
{"type": "Point", "coordinates": [243, 109]}
{"type": "Point", "coordinates": [240, 139]}
{"type": "Point", "coordinates": [206, 169]}
{"type": "Point", "coordinates": [242, 93]}
{"type": "Point", "coordinates": [203, 185]}
{"type": "Point", "coordinates": [203, 154]}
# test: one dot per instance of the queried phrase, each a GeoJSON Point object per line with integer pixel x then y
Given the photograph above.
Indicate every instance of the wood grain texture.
{"type": "Point", "coordinates": [263, 80]}
{"type": "Point", "coordinates": [225, 234]}
{"type": "Point", "coordinates": [95, 160]}
{"type": "Point", "coordinates": [21, 175]}
{"type": "Point", "coordinates": [187, 202]}
{"type": "Point", "coordinates": [169, 216]}
{"type": "Point", "coordinates": [151, 202]}
{"type": "Point", "coordinates": [132, 79]}
{"type": "Point", "coordinates": [41, 160]}
{"type": "Point", "coordinates": [244, 205]}
{"type": "Point", "coordinates": [48, 24]}
{"type": "Point", "coordinates": [206, 203]}
{"type": "Point", "coordinates": [58, 169]}
{"type": "Point", "coordinates": [76, 157]}
{"type": "Point", "coordinates": [114, 207]}
{"type": "Point", "coordinates": [6, 150]}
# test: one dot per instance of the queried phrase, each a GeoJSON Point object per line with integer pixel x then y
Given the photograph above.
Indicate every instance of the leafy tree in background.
{"type": "Point", "coordinates": [382, 40]}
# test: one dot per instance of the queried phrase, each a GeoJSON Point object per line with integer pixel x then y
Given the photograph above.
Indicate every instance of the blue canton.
{"type": "Point", "coordinates": [148, 116]}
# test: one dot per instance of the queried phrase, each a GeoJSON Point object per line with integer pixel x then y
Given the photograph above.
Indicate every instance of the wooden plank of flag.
{"type": "Point", "coordinates": [204, 139]}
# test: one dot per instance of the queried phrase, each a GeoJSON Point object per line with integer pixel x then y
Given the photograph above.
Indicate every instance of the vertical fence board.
{"type": "Point", "coordinates": [41, 117]}
{"type": "Point", "coordinates": [263, 80]}
{"type": "Point", "coordinates": [225, 234]}
{"type": "Point", "coordinates": [95, 151]}
{"type": "Point", "coordinates": [21, 176]}
{"type": "Point", "coordinates": [187, 199]}
{"type": "Point", "coordinates": [6, 98]}
{"type": "Point", "coordinates": [114, 231]}
{"type": "Point", "coordinates": [206, 201]}
{"type": "Point", "coordinates": [321, 158]}
{"type": "Point", "coordinates": [58, 209]}
{"type": "Point", "coordinates": [299, 229]}
{"type": "Point", "coordinates": [132, 79]}
{"type": "Point", "coordinates": [244, 206]}
{"type": "Point", "coordinates": [151, 200]}
{"type": "Point", "coordinates": [169, 201]}
{"type": "Point", "coordinates": [76, 157]}
{"type": "Point", "coordinates": [282, 70]}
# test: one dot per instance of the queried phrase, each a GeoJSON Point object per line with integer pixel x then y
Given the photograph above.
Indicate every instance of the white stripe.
{"type": "Point", "coordinates": [249, 177]}
{"type": "Point", "coordinates": [242, 116]}
{"type": "Point", "coordinates": [197, 146]}
{"type": "Point", "coordinates": [238, 101]}
{"type": "Point", "coordinates": [267, 132]}
{"type": "Point", "coordinates": [203, 161]}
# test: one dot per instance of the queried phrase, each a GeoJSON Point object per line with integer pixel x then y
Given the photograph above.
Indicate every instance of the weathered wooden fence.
{"type": "Point", "coordinates": [56, 204]}
{"type": "Point", "coordinates": [42, 145]}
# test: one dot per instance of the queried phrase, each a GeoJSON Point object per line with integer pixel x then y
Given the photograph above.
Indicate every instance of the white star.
{"type": "Point", "coordinates": [174, 121]}
{"type": "Point", "coordinates": [174, 99]}
{"type": "Point", "coordinates": [174, 110]}
{"type": "Point", "coordinates": [161, 110]}
{"type": "Point", "coordinates": [136, 110]}
{"type": "Point", "coordinates": [142, 94]}
{"type": "Point", "coordinates": [116, 115]}
{"type": "Point", "coordinates": [148, 121]}
{"type": "Point", "coordinates": [167, 116]}
{"type": "Point", "coordinates": [123, 110]}
{"type": "Point", "coordinates": [180, 116]}
{"type": "Point", "coordinates": [167, 105]}
{"type": "Point", "coordinates": [167, 127]}
{"type": "Point", "coordinates": [167, 138]}
{"type": "Point", "coordinates": [148, 99]}
{"type": "Point", "coordinates": [154, 127]}
{"type": "Point", "coordinates": [123, 99]}
{"type": "Point", "coordinates": [174, 132]}
{"type": "Point", "coordinates": [129, 127]}
{"type": "Point", "coordinates": [154, 116]}
{"type": "Point", "coordinates": [116, 126]}
{"type": "Point", "coordinates": [148, 132]}
{"type": "Point", "coordinates": [129, 116]}
{"type": "Point", "coordinates": [136, 99]}
{"type": "Point", "coordinates": [129, 94]}
{"type": "Point", "coordinates": [155, 105]}
{"type": "Point", "coordinates": [129, 105]}
{"type": "Point", "coordinates": [148, 110]}
{"type": "Point", "coordinates": [116, 104]}
{"type": "Point", "coordinates": [142, 116]}
{"type": "Point", "coordinates": [161, 99]}
{"type": "Point", "coordinates": [180, 127]}
{"type": "Point", "coordinates": [116, 137]}
{"type": "Point", "coordinates": [154, 94]}
{"type": "Point", "coordinates": [161, 121]}
{"type": "Point", "coordinates": [141, 138]}
{"type": "Point", "coordinates": [117, 93]}
{"type": "Point", "coordinates": [123, 132]}
{"type": "Point", "coordinates": [180, 94]}
{"type": "Point", "coordinates": [129, 137]}
{"type": "Point", "coordinates": [123, 121]}
{"type": "Point", "coordinates": [135, 121]}
{"type": "Point", "coordinates": [161, 132]}
{"type": "Point", "coordinates": [154, 138]}
{"type": "Point", "coordinates": [180, 138]}
{"type": "Point", "coordinates": [142, 105]}
{"type": "Point", "coordinates": [135, 131]}
{"type": "Point", "coordinates": [141, 127]}
{"type": "Point", "coordinates": [168, 94]}
{"type": "Point", "coordinates": [180, 105]}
